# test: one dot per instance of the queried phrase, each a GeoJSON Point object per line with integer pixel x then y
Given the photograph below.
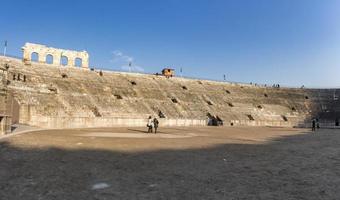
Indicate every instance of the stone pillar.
{"type": "Point", "coordinates": [56, 58]}
{"type": "Point", "coordinates": [42, 57]}
{"type": "Point", "coordinates": [26, 55]}
{"type": "Point", "coordinates": [85, 61]}
{"type": "Point", "coordinates": [71, 61]}
{"type": "Point", "coordinates": [2, 125]}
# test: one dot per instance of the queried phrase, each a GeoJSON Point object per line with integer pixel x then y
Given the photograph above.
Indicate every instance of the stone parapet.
{"type": "Point", "coordinates": [88, 122]}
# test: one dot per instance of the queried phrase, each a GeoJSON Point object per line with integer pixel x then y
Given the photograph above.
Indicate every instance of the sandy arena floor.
{"type": "Point", "coordinates": [178, 163]}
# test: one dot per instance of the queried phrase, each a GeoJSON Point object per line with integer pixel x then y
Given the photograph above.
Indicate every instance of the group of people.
{"type": "Point", "coordinates": [152, 124]}
{"type": "Point", "coordinates": [265, 85]}
{"type": "Point", "coordinates": [276, 86]}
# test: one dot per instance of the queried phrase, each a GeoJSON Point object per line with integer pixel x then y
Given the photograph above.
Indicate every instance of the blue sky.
{"type": "Point", "coordinates": [291, 42]}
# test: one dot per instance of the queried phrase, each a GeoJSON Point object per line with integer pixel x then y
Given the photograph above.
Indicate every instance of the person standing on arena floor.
{"type": "Point", "coordinates": [155, 124]}
{"type": "Point", "coordinates": [149, 124]}
{"type": "Point", "coordinates": [313, 124]}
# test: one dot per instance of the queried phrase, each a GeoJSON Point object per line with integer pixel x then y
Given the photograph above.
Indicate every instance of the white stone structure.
{"type": "Point", "coordinates": [55, 56]}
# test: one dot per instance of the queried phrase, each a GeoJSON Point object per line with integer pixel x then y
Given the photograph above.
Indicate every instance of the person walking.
{"type": "Point", "coordinates": [313, 124]}
{"type": "Point", "coordinates": [155, 124]}
{"type": "Point", "coordinates": [149, 124]}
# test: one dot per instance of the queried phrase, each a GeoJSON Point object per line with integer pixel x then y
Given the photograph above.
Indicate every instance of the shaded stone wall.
{"type": "Point", "coordinates": [3, 89]}
{"type": "Point", "coordinates": [5, 118]}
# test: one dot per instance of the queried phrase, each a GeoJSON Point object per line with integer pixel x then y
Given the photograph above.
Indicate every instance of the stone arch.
{"type": "Point", "coordinates": [78, 62]}
{"type": "Point", "coordinates": [64, 60]}
{"type": "Point", "coordinates": [71, 60]}
{"type": "Point", "coordinates": [34, 57]}
{"type": "Point", "coordinates": [49, 59]}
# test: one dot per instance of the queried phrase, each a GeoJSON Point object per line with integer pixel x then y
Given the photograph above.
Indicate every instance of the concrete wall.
{"type": "Point", "coordinates": [55, 97]}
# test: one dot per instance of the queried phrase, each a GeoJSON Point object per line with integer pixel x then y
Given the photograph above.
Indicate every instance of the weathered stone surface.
{"type": "Point", "coordinates": [5, 118]}
{"type": "Point", "coordinates": [3, 89]}
{"type": "Point", "coordinates": [44, 51]}
{"type": "Point", "coordinates": [55, 97]}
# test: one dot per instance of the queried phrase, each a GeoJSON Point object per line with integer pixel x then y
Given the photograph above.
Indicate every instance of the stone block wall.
{"type": "Point", "coordinates": [43, 53]}
{"type": "Point", "coordinates": [55, 97]}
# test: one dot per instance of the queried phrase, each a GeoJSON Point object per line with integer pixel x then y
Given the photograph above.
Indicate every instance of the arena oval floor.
{"type": "Point", "coordinates": [176, 163]}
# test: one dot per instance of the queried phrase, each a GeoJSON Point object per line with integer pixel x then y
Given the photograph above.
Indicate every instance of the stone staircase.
{"type": "Point", "coordinates": [66, 97]}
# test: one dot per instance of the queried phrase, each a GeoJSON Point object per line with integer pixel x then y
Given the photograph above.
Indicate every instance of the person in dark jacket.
{"type": "Point", "coordinates": [155, 124]}
{"type": "Point", "coordinates": [313, 124]}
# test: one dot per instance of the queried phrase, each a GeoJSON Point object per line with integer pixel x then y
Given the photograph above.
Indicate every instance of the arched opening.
{"type": "Point", "coordinates": [35, 57]}
{"type": "Point", "coordinates": [284, 118]}
{"type": "Point", "coordinates": [49, 59]}
{"type": "Point", "coordinates": [174, 100]}
{"type": "Point", "coordinates": [78, 62]}
{"type": "Point", "coordinates": [63, 75]}
{"type": "Point", "coordinates": [161, 114]}
{"type": "Point", "coordinates": [250, 117]}
{"type": "Point", "coordinates": [64, 60]}
{"type": "Point", "coordinates": [118, 96]}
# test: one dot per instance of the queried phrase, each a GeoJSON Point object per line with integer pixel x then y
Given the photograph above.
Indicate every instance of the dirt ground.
{"type": "Point", "coordinates": [177, 163]}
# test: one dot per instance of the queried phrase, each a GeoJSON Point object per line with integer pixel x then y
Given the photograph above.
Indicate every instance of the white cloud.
{"type": "Point", "coordinates": [132, 68]}
{"type": "Point", "coordinates": [118, 56]}
{"type": "Point", "coordinates": [124, 61]}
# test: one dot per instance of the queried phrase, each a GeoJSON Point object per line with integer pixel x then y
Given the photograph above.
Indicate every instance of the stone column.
{"type": "Point", "coordinates": [56, 58]}
{"type": "Point", "coordinates": [71, 61]}
{"type": "Point", "coordinates": [26, 55]}
{"type": "Point", "coordinates": [85, 61]}
{"type": "Point", "coordinates": [41, 57]}
{"type": "Point", "coordinates": [2, 125]}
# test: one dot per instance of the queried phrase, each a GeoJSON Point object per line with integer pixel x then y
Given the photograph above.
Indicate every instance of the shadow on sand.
{"type": "Point", "coordinates": [136, 130]}
{"type": "Point", "coordinates": [295, 167]}
{"type": "Point", "coordinates": [141, 131]}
